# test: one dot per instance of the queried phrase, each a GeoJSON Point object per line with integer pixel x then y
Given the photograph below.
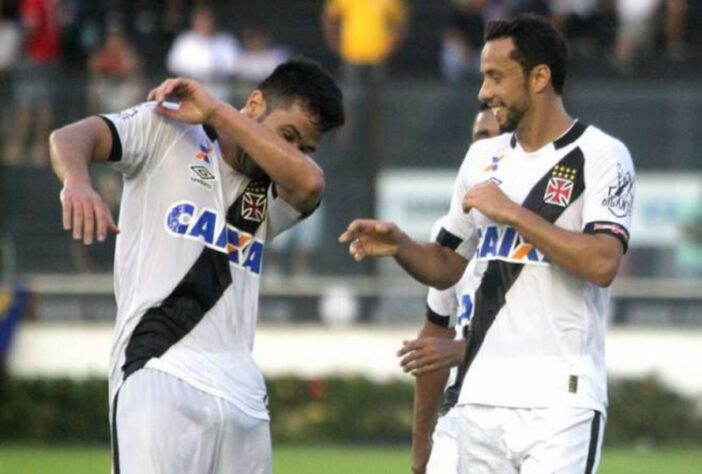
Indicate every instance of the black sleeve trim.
{"type": "Point", "coordinates": [438, 319]}
{"type": "Point", "coordinates": [307, 214]}
{"type": "Point", "coordinates": [447, 239]}
{"type": "Point", "coordinates": [611, 228]}
{"type": "Point", "coordinates": [211, 132]}
{"type": "Point", "coordinates": [116, 150]}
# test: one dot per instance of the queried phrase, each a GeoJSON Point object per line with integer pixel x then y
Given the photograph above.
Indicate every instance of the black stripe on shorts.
{"type": "Point", "coordinates": [594, 442]}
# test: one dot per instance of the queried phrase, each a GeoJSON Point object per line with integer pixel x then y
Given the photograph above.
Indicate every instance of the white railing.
{"type": "Point", "coordinates": [301, 286]}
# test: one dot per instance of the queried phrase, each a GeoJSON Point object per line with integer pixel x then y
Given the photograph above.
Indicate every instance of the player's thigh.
{"type": "Point", "coordinates": [570, 442]}
{"type": "Point", "coordinates": [482, 447]}
{"type": "Point", "coordinates": [245, 447]}
{"type": "Point", "coordinates": [444, 450]}
{"type": "Point", "coordinates": [164, 425]}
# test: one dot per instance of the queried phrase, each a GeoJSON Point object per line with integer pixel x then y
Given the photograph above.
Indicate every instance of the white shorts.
{"type": "Point", "coordinates": [163, 425]}
{"type": "Point", "coordinates": [444, 449]}
{"type": "Point", "coordinates": [562, 440]}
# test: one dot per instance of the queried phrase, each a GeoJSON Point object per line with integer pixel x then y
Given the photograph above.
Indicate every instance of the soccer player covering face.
{"type": "Point", "coordinates": [206, 186]}
{"type": "Point", "coordinates": [439, 347]}
{"type": "Point", "coordinates": [544, 210]}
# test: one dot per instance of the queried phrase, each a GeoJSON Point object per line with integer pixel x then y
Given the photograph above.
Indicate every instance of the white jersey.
{"type": "Point", "coordinates": [188, 258]}
{"type": "Point", "coordinates": [537, 334]}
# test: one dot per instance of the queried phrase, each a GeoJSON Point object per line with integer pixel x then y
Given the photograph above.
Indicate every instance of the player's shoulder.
{"type": "Point", "coordinates": [600, 145]}
{"type": "Point", "coordinates": [489, 146]}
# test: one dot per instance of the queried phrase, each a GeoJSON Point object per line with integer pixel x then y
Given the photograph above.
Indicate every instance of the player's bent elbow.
{"type": "Point", "coordinates": [604, 274]}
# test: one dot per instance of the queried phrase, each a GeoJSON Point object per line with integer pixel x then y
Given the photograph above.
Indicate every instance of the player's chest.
{"type": "Point", "coordinates": [532, 181]}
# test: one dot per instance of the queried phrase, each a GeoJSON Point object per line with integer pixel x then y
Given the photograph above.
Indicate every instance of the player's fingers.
{"type": "Point", "coordinates": [67, 206]}
{"type": "Point", "coordinates": [425, 369]}
{"type": "Point", "coordinates": [88, 223]}
{"type": "Point", "coordinates": [111, 226]}
{"type": "Point", "coordinates": [102, 214]}
{"type": "Point", "coordinates": [356, 250]}
{"type": "Point", "coordinates": [77, 221]}
{"type": "Point", "coordinates": [346, 237]}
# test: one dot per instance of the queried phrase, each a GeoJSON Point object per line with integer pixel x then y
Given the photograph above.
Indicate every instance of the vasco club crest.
{"type": "Point", "coordinates": [254, 206]}
{"type": "Point", "coordinates": [560, 186]}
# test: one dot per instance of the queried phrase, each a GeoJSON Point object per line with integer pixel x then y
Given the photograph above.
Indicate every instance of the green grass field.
{"type": "Point", "coordinates": [335, 460]}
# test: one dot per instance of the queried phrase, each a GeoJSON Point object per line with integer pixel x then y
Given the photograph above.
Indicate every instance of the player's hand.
{"type": "Point", "coordinates": [421, 450]}
{"type": "Point", "coordinates": [85, 212]}
{"type": "Point", "coordinates": [427, 354]}
{"type": "Point", "coordinates": [488, 198]}
{"type": "Point", "coordinates": [372, 238]}
{"type": "Point", "coordinates": [195, 104]}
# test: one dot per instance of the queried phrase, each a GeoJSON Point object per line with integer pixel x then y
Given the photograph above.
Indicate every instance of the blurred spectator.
{"type": "Point", "coordinates": [9, 51]}
{"type": "Point", "coordinates": [364, 33]}
{"type": "Point", "coordinates": [259, 56]}
{"type": "Point", "coordinates": [675, 14]}
{"type": "Point", "coordinates": [34, 78]}
{"type": "Point", "coordinates": [115, 80]}
{"type": "Point", "coordinates": [518, 7]}
{"type": "Point", "coordinates": [636, 20]}
{"type": "Point", "coordinates": [589, 25]}
{"type": "Point", "coordinates": [462, 40]}
{"type": "Point", "coordinates": [205, 54]}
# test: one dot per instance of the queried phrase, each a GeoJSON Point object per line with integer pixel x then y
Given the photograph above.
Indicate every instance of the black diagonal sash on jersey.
{"type": "Point", "coordinates": [199, 290]}
{"type": "Point", "coordinates": [500, 276]}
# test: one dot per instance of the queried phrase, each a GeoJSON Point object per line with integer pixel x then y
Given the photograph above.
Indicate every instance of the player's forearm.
{"type": "Point", "coordinates": [71, 149]}
{"type": "Point", "coordinates": [592, 257]}
{"type": "Point", "coordinates": [430, 264]}
{"type": "Point", "coordinates": [428, 389]}
{"type": "Point", "coordinates": [296, 175]}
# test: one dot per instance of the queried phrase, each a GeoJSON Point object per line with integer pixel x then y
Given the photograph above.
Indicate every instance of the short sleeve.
{"type": "Point", "coordinates": [441, 305]}
{"type": "Point", "coordinates": [281, 215]}
{"type": "Point", "coordinates": [136, 135]}
{"type": "Point", "coordinates": [610, 187]}
{"type": "Point", "coordinates": [458, 228]}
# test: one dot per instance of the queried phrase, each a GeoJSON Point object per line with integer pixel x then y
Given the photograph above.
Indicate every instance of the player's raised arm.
{"type": "Point", "coordinates": [281, 124]}
{"type": "Point", "coordinates": [431, 264]}
{"type": "Point", "coordinates": [72, 149]}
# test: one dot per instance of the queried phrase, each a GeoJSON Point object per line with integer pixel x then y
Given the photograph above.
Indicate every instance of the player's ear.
{"type": "Point", "coordinates": [540, 78]}
{"type": "Point", "coordinates": [255, 105]}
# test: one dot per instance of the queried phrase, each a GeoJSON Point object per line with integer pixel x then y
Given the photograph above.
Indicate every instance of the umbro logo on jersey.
{"type": "Point", "coordinates": [560, 187]}
{"type": "Point", "coordinates": [504, 243]}
{"type": "Point", "coordinates": [203, 176]}
{"type": "Point", "coordinates": [184, 220]}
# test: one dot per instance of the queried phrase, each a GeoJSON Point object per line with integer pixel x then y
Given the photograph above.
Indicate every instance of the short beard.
{"type": "Point", "coordinates": [514, 116]}
{"type": "Point", "coordinates": [247, 166]}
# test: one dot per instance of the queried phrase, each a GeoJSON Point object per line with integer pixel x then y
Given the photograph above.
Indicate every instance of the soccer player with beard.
{"type": "Point", "coordinates": [205, 187]}
{"type": "Point", "coordinates": [544, 211]}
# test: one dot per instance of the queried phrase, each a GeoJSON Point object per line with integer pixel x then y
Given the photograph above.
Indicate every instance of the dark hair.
{"type": "Point", "coordinates": [307, 81]}
{"type": "Point", "coordinates": [536, 42]}
{"type": "Point", "coordinates": [483, 106]}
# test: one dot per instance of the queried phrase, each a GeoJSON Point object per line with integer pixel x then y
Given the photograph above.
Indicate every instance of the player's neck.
{"type": "Point", "coordinates": [543, 125]}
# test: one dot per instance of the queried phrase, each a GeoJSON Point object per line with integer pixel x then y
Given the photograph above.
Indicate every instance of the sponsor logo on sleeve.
{"type": "Point", "coordinates": [620, 196]}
